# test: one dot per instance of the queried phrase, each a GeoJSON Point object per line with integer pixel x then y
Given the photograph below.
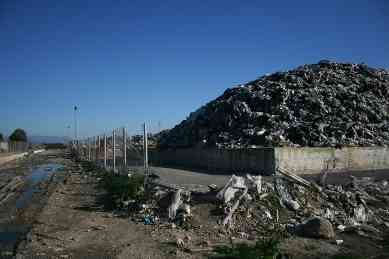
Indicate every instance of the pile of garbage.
{"type": "Point", "coordinates": [324, 104]}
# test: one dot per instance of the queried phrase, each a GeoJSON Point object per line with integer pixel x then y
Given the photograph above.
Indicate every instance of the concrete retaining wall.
{"type": "Point", "coordinates": [313, 160]}
{"type": "Point", "coordinates": [217, 160]}
{"type": "Point", "coordinates": [265, 160]}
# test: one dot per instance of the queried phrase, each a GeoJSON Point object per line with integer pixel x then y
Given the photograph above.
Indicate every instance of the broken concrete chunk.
{"type": "Point", "coordinates": [255, 182]}
{"type": "Point", "coordinates": [286, 198]}
{"type": "Point", "coordinates": [235, 184]}
{"type": "Point", "coordinates": [360, 215]}
{"type": "Point", "coordinates": [179, 208]}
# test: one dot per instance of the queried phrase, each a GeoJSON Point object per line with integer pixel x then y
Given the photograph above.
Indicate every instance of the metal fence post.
{"type": "Point", "coordinates": [105, 151]}
{"type": "Point", "coordinates": [145, 157]}
{"type": "Point", "coordinates": [95, 151]}
{"type": "Point", "coordinates": [98, 147]}
{"type": "Point", "coordinates": [89, 151]}
{"type": "Point", "coordinates": [114, 151]}
{"type": "Point", "coordinates": [145, 149]}
{"type": "Point", "coordinates": [94, 148]}
{"type": "Point", "coordinates": [124, 148]}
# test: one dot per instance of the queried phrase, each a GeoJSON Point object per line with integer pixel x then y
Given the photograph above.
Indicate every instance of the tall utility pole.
{"type": "Point", "coordinates": [75, 124]}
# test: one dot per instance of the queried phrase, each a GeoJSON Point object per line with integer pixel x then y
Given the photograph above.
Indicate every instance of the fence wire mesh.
{"type": "Point", "coordinates": [14, 147]}
{"type": "Point", "coordinates": [115, 151]}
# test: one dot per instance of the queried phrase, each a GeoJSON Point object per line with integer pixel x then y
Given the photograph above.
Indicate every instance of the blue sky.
{"type": "Point", "coordinates": [126, 62]}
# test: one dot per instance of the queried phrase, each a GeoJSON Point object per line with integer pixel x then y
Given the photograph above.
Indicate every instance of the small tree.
{"type": "Point", "coordinates": [18, 135]}
{"type": "Point", "coordinates": [1, 137]}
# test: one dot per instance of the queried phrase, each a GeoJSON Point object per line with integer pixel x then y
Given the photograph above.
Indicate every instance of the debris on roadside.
{"type": "Point", "coordinates": [287, 199]}
{"type": "Point", "coordinates": [250, 207]}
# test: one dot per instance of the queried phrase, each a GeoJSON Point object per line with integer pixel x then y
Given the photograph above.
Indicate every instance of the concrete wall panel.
{"type": "Point", "coordinates": [265, 160]}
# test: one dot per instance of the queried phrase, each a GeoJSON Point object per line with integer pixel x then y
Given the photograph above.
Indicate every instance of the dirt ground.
{"type": "Point", "coordinates": [72, 225]}
{"type": "Point", "coordinates": [69, 218]}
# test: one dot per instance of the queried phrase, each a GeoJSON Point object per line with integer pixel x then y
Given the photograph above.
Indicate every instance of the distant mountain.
{"type": "Point", "coordinates": [47, 139]}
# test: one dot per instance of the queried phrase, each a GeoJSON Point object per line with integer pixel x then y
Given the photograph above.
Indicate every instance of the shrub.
{"type": "Point", "coordinates": [121, 187]}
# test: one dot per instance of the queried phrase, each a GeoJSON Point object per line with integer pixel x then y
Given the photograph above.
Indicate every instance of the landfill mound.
{"type": "Point", "coordinates": [318, 105]}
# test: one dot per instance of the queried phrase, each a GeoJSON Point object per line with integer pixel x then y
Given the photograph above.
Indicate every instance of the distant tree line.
{"type": "Point", "coordinates": [17, 135]}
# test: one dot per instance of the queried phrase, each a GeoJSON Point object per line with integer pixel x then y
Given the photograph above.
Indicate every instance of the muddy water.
{"type": "Point", "coordinates": [38, 175]}
{"type": "Point", "coordinates": [15, 229]}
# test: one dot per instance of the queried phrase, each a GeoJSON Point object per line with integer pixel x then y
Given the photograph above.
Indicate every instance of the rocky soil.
{"type": "Point", "coordinates": [324, 104]}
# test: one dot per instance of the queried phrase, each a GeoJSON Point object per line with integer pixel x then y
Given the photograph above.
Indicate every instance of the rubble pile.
{"type": "Point", "coordinates": [361, 206]}
{"type": "Point", "coordinates": [249, 207]}
{"type": "Point", "coordinates": [324, 104]}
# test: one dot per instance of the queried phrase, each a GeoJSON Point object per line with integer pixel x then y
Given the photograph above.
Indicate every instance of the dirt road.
{"type": "Point", "coordinates": [4, 158]}
{"type": "Point", "coordinates": [189, 179]}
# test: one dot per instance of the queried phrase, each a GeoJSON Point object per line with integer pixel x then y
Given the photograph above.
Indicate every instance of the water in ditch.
{"type": "Point", "coordinates": [38, 175]}
{"type": "Point", "coordinates": [16, 229]}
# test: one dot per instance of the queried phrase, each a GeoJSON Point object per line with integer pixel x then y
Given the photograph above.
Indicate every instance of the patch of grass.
{"type": "Point", "coordinates": [263, 249]}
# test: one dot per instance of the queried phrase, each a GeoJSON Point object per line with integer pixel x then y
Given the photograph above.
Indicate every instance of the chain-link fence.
{"type": "Point", "coordinates": [13, 147]}
{"type": "Point", "coordinates": [115, 151]}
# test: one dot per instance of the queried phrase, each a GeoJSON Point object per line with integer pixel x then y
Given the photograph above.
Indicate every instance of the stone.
{"type": "Point", "coordinates": [316, 228]}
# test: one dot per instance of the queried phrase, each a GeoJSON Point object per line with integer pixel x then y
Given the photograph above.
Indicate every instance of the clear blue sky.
{"type": "Point", "coordinates": [125, 62]}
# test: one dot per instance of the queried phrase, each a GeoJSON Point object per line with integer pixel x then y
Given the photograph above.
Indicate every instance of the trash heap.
{"type": "Point", "coordinates": [324, 104]}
